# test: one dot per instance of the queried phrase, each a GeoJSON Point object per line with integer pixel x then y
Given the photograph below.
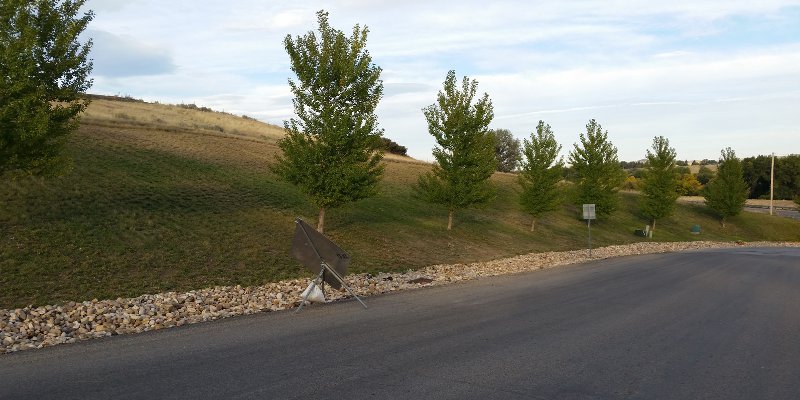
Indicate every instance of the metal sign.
{"type": "Point", "coordinates": [588, 211]}
{"type": "Point", "coordinates": [324, 258]}
{"type": "Point", "coordinates": [311, 248]}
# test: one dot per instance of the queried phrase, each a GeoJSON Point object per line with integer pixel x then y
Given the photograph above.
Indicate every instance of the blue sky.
{"type": "Point", "coordinates": [704, 74]}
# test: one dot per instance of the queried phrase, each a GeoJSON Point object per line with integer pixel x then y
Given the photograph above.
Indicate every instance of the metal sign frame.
{"type": "Point", "coordinates": [326, 273]}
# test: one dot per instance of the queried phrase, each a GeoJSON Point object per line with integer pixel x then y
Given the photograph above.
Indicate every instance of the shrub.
{"type": "Point", "coordinates": [631, 183]}
{"type": "Point", "coordinates": [688, 185]}
{"type": "Point", "coordinates": [391, 146]}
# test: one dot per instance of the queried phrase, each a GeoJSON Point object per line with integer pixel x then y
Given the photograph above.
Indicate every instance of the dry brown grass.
{"type": "Point", "coordinates": [193, 132]}
{"type": "Point", "coordinates": [696, 168]}
{"type": "Point", "coordinates": [173, 117]}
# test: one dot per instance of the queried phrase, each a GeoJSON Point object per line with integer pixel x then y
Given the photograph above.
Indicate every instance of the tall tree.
{"type": "Point", "coordinates": [756, 172]}
{"type": "Point", "coordinates": [43, 72]}
{"type": "Point", "coordinates": [704, 175]}
{"type": "Point", "coordinates": [787, 176]}
{"type": "Point", "coordinates": [330, 149]}
{"type": "Point", "coordinates": [465, 157]}
{"type": "Point", "coordinates": [660, 184]}
{"type": "Point", "coordinates": [727, 192]}
{"type": "Point", "coordinates": [597, 172]}
{"type": "Point", "coordinates": [540, 173]}
{"type": "Point", "coordinates": [506, 149]}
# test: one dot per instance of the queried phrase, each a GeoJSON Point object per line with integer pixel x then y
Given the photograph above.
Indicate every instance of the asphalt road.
{"type": "Point", "coordinates": [781, 212]}
{"type": "Point", "coordinates": [718, 324]}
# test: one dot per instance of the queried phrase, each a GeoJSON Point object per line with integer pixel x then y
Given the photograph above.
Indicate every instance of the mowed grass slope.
{"type": "Point", "coordinates": [158, 201]}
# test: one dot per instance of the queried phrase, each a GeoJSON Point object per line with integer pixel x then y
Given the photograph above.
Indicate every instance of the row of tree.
{"type": "Point", "coordinates": [758, 172]}
{"type": "Point", "coordinates": [508, 151]}
{"type": "Point", "coordinates": [329, 150]}
{"type": "Point", "coordinates": [689, 184]}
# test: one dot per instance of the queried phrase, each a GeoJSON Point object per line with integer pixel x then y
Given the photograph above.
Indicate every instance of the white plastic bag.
{"type": "Point", "coordinates": [316, 295]}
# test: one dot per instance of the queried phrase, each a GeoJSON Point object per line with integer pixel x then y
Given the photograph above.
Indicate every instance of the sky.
{"type": "Point", "coordinates": [705, 74]}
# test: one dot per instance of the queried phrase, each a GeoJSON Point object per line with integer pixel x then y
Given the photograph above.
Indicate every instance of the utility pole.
{"type": "Point", "coordinates": [771, 183]}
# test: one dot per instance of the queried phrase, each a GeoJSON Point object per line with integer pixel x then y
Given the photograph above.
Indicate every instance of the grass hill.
{"type": "Point", "coordinates": [164, 197]}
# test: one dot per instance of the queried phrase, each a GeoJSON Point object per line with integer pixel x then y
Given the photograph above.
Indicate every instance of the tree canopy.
{"type": "Point", "coordinates": [726, 194]}
{"type": "Point", "coordinates": [465, 156]}
{"type": "Point", "coordinates": [596, 170]}
{"type": "Point", "coordinates": [44, 69]}
{"type": "Point", "coordinates": [786, 176]}
{"type": "Point", "coordinates": [540, 173]}
{"type": "Point", "coordinates": [330, 148]}
{"type": "Point", "coordinates": [660, 184]}
{"type": "Point", "coordinates": [506, 149]}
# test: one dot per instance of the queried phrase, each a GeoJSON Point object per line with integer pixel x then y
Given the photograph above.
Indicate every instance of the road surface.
{"type": "Point", "coordinates": [781, 212]}
{"type": "Point", "coordinates": [714, 324]}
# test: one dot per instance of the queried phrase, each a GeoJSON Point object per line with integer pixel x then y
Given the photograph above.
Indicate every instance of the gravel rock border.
{"type": "Point", "coordinates": [37, 327]}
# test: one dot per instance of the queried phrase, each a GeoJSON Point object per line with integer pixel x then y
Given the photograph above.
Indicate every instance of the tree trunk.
{"type": "Point", "coordinates": [450, 220]}
{"type": "Point", "coordinates": [723, 222]}
{"type": "Point", "coordinates": [653, 227]}
{"type": "Point", "coordinates": [321, 221]}
{"type": "Point", "coordinates": [533, 225]}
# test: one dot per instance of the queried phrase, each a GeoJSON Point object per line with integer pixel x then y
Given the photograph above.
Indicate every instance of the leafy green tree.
{"type": "Point", "coordinates": [756, 172]}
{"type": "Point", "coordinates": [329, 150]}
{"type": "Point", "coordinates": [540, 172]}
{"type": "Point", "coordinates": [704, 175]}
{"type": "Point", "coordinates": [597, 171]}
{"type": "Point", "coordinates": [465, 157]}
{"type": "Point", "coordinates": [506, 149]}
{"type": "Point", "coordinates": [787, 176]}
{"type": "Point", "coordinates": [44, 70]}
{"type": "Point", "coordinates": [390, 146]}
{"type": "Point", "coordinates": [660, 185]}
{"type": "Point", "coordinates": [727, 192]}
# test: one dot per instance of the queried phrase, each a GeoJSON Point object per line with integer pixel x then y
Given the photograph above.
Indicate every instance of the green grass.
{"type": "Point", "coordinates": [146, 211]}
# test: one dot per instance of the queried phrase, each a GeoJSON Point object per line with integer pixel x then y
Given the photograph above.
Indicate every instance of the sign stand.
{"type": "Point", "coordinates": [319, 281]}
{"type": "Point", "coordinates": [589, 215]}
{"type": "Point", "coordinates": [325, 270]}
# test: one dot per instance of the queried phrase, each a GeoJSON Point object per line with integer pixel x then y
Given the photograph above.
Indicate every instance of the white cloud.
{"type": "Point", "coordinates": [100, 6]}
{"type": "Point", "coordinates": [272, 20]}
{"type": "Point", "coordinates": [641, 68]}
{"type": "Point", "coordinates": [121, 56]}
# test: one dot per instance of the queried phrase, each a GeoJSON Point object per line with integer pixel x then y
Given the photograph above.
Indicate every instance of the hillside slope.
{"type": "Point", "coordinates": [169, 198]}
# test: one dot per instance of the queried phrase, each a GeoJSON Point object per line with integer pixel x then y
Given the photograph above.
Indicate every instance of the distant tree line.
{"type": "Point", "coordinates": [390, 146]}
{"type": "Point", "coordinates": [787, 176]}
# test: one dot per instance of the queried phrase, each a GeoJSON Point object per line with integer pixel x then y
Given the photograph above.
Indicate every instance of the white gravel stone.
{"type": "Point", "coordinates": [36, 327]}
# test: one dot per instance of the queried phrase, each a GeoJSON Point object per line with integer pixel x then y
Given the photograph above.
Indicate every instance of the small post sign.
{"type": "Point", "coordinates": [589, 215]}
{"type": "Point", "coordinates": [588, 212]}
